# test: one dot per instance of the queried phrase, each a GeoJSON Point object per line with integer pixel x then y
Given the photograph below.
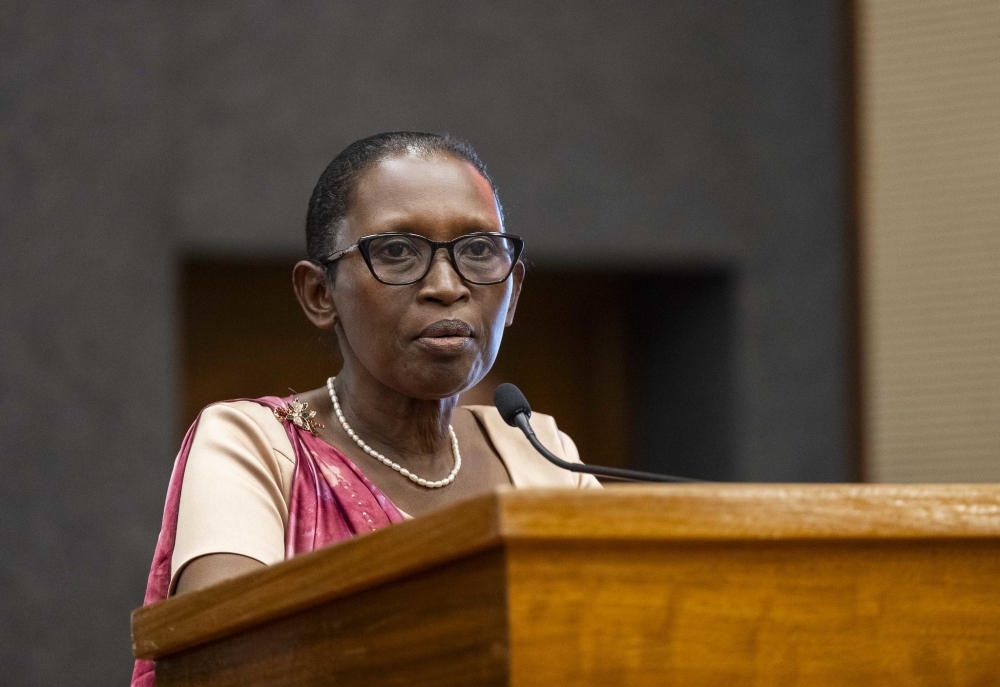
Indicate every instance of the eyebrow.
{"type": "Point", "coordinates": [469, 227]}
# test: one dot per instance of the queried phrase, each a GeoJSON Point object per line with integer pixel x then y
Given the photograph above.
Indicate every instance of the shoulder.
{"type": "Point", "coordinates": [236, 485]}
{"type": "Point", "coordinates": [242, 447]}
{"type": "Point", "coordinates": [526, 467]}
{"type": "Point", "coordinates": [544, 425]}
{"type": "Point", "coordinates": [245, 424]}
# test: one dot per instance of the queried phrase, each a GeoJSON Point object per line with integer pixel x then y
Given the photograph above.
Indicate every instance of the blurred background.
{"type": "Point", "coordinates": [763, 245]}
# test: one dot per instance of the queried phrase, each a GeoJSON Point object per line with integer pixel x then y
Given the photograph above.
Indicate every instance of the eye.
{"type": "Point", "coordinates": [393, 249]}
{"type": "Point", "coordinates": [480, 247]}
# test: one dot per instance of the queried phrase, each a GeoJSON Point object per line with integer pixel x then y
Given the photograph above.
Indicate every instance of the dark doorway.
{"type": "Point", "coordinates": [683, 374]}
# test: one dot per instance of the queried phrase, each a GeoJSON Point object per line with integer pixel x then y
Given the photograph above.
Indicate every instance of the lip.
{"type": "Point", "coordinates": [446, 336]}
{"type": "Point", "coordinates": [446, 328]}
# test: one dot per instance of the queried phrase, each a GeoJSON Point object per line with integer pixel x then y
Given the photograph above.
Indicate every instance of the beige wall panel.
{"type": "Point", "coordinates": [929, 108]}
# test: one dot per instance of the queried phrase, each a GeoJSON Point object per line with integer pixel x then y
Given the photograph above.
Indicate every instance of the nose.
{"type": "Point", "coordinates": [443, 284]}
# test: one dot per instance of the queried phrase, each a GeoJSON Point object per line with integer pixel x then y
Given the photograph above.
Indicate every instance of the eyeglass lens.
{"type": "Point", "coordinates": [405, 259]}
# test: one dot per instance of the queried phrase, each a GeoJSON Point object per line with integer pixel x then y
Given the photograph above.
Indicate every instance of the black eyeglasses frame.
{"type": "Point", "coordinates": [365, 241]}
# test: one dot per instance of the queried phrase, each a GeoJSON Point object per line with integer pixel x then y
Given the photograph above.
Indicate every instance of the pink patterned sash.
{"type": "Point", "coordinates": [331, 501]}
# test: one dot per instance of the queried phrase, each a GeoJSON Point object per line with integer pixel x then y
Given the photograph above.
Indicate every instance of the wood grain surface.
{"type": "Point", "coordinates": [689, 584]}
{"type": "Point", "coordinates": [442, 628]}
{"type": "Point", "coordinates": [779, 613]}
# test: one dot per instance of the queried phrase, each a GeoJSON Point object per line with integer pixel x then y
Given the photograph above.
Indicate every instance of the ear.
{"type": "Point", "coordinates": [313, 290]}
{"type": "Point", "coordinates": [517, 278]}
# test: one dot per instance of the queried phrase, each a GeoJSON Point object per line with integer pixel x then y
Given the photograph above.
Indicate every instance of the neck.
{"type": "Point", "coordinates": [406, 426]}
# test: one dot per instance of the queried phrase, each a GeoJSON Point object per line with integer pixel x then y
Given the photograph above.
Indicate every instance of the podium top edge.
{"type": "Point", "coordinates": [726, 512]}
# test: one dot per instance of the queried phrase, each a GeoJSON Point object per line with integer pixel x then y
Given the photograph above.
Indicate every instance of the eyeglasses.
{"type": "Point", "coordinates": [399, 259]}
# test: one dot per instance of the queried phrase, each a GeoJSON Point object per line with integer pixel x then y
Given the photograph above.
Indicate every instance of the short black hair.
{"type": "Point", "coordinates": [335, 189]}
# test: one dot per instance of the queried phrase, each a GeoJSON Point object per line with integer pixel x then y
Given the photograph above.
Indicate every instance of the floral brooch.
{"type": "Point", "coordinates": [298, 413]}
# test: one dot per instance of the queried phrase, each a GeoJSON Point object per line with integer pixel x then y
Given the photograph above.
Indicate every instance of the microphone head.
{"type": "Point", "coordinates": [510, 402]}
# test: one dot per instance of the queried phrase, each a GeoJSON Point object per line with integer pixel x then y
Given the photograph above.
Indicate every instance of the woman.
{"type": "Point", "coordinates": [411, 269]}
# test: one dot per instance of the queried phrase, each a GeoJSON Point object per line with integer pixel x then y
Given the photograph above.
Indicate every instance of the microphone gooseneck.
{"type": "Point", "coordinates": [515, 411]}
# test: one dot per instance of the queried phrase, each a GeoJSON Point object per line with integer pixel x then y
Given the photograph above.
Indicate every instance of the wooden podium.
{"type": "Point", "coordinates": [672, 585]}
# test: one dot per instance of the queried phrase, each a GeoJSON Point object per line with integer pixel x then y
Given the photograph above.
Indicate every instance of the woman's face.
{"type": "Point", "coordinates": [437, 337]}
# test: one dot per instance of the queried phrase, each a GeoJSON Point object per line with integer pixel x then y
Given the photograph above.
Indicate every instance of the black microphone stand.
{"type": "Point", "coordinates": [521, 420]}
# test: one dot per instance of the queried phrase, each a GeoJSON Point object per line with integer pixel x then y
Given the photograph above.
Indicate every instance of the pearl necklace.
{"type": "Point", "coordinates": [385, 461]}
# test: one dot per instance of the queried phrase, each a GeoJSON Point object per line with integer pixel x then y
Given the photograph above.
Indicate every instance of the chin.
{"type": "Point", "coordinates": [439, 379]}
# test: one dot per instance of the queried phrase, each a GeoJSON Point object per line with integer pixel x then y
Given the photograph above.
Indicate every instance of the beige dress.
{"type": "Point", "coordinates": [238, 479]}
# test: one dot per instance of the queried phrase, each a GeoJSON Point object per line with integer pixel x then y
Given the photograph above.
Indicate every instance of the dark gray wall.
{"type": "Point", "coordinates": [86, 336]}
{"type": "Point", "coordinates": [645, 134]}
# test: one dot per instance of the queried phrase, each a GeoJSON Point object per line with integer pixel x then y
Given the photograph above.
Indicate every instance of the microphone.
{"type": "Point", "coordinates": [515, 411]}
